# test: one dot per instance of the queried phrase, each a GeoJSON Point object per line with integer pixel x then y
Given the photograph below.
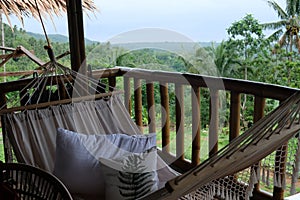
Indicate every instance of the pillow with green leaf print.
{"type": "Point", "coordinates": [132, 176]}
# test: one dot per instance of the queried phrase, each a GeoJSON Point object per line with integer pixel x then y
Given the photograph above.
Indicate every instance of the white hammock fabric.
{"type": "Point", "coordinates": [33, 132]}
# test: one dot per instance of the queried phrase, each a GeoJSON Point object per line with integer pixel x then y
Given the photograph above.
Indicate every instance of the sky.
{"type": "Point", "coordinates": [195, 20]}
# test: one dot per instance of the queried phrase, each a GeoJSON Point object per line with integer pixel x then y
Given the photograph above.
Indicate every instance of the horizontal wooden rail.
{"type": "Point", "coordinates": [265, 90]}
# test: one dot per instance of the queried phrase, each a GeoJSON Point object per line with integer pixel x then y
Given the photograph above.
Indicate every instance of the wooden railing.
{"type": "Point", "coordinates": [156, 85]}
{"type": "Point", "coordinates": [236, 89]}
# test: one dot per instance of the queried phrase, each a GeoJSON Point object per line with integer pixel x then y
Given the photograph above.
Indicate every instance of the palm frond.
{"type": "Point", "coordinates": [293, 7]}
{"type": "Point", "coordinates": [276, 35]}
{"type": "Point", "coordinates": [274, 25]}
{"type": "Point", "coordinates": [280, 12]}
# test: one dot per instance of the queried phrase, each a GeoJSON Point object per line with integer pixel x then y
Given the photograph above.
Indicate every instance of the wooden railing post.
{"type": "Point", "coordinates": [196, 125]}
{"type": "Point", "coordinates": [127, 94]}
{"type": "Point", "coordinates": [6, 146]}
{"type": "Point", "coordinates": [179, 121]}
{"type": "Point", "coordinates": [165, 117]}
{"type": "Point", "coordinates": [259, 106]}
{"type": "Point", "coordinates": [138, 108]}
{"type": "Point", "coordinates": [214, 121]}
{"type": "Point", "coordinates": [151, 107]}
{"type": "Point", "coordinates": [235, 115]}
{"type": "Point", "coordinates": [112, 81]}
{"type": "Point", "coordinates": [280, 167]}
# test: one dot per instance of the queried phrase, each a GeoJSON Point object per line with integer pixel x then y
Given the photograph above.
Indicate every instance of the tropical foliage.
{"type": "Point", "coordinates": [287, 26]}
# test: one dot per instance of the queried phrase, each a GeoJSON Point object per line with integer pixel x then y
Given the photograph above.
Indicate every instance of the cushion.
{"type": "Point", "coordinates": [77, 162]}
{"type": "Point", "coordinates": [131, 177]}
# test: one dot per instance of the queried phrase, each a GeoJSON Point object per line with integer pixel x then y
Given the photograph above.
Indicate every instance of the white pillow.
{"type": "Point", "coordinates": [77, 162]}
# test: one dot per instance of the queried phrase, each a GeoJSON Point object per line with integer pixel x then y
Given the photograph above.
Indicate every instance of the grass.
{"type": "Point", "coordinates": [204, 142]}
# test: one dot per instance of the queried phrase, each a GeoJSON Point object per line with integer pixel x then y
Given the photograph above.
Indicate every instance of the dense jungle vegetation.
{"type": "Point", "coordinates": [246, 54]}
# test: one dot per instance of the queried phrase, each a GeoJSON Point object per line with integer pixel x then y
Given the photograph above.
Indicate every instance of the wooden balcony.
{"type": "Point", "coordinates": [185, 88]}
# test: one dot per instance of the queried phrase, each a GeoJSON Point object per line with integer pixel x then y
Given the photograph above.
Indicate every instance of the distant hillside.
{"type": "Point", "coordinates": [171, 46]}
{"type": "Point", "coordinates": [57, 38]}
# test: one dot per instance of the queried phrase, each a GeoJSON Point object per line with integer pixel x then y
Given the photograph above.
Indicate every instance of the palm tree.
{"type": "Point", "coordinates": [288, 25]}
{"type": "Point", "coordinates": [226, 64]}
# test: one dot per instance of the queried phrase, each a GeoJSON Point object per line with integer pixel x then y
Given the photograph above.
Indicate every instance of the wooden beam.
{"type": "Point", "coordinates": [30, 55]}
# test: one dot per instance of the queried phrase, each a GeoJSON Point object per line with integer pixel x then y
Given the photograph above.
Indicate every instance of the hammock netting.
{"type": "Point", "coordinates": [86, 105]}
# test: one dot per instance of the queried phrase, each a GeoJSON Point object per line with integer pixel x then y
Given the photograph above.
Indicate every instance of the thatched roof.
{"type": "Point", "coordinates": [22, 8]}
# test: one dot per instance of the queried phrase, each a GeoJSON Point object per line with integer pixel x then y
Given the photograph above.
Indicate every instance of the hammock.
{"type": "Point", "coordinates": [60, 98]}
{"type": "Point", "coordinates": [267, 135]}
{"type": "Point", "coordinates": [55, 100]}
{"type": "Point", "coordinates": [31, 128]}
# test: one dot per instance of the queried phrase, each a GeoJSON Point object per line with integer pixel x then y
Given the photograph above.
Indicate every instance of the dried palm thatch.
{"type": "Point", "coordinates": [31, 8]}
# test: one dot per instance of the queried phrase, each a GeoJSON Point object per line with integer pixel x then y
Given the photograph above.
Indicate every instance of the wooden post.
{"type": "Point", "coordinates": [196, 125]}
{"type": "Point", "coordinates": [76, 35]}
{"type": "Point", "coordinates": [235, 115]}
{"type": "Point", "coordinates": [138, 103]}
{"type": "Point", "coordinates": [259, 106]}
{"type": "Point", "coordinates": [76, 43]}
{"type": "Point", "coordinates": [179, 121]}
{"type": "Point", "coordinates": [165, 116]}
{"type": "Point", "coordinates": [280, 167]}
{"type": "Point", "coordinates": [112, 82]}
{"type": "Point", "coordinates": [214, 121]}
{"type": "Point", "coordinates": [127, 94]}
{"type": "Point", "coordinates": [151, 107]}
{"type": "Point", "coordinates": [6, 146]}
